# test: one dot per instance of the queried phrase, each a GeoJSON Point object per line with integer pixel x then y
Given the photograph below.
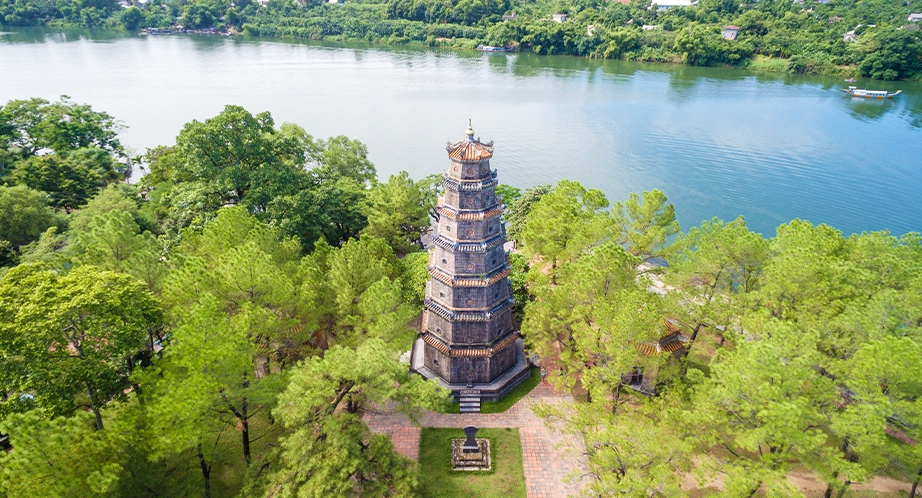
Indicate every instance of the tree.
{"type": "Point", "coordinates": [234, 157]}
{"type": "Point", "coordinates": [712, 265]}
{"type": "Point", "coordinates": [66, 456]}
{"type": "Point", "coordinates": [330, 210]}
{"type": "Point", "coordinates": [762, 409]}
{"type": "Point", "coordinates": [206, 383]}
{"type": "Point", "coordinates": [70, 180]}
{"type": "Point", "coordinates": [397, 213]}
{"type": "Point", "coordinates": [565, 223]}
{"type": "Point", "coordinates": [61, 126]}
{"type": "Point", "coordinates": [357, 292]}
{"type": "Point", "coordinates": [508, 193]}
{"type": "Point", "coordinates": [24, 215]}
{"type": "Point", "coordinates": [645, 225]}
{"type": "Point", "coordinates": [331, 452]}
{"type": "Point", "coordinates": [637, 454]}
{"type": "Point", "coordinates": [57, 456]}
{"type": "Point", "coordinates": [593, 317]}
{"type": "Point", "coordinates": [131, 18]}
{"type": "Point", "coordinates": [249, 267]}
{"type": "Point", "coordinates": [66, 336]}
{"type": "Point", "coordinates": [517, 209]}
{"type": "Point", "coordinates": [882, 382]}
{"type": "Point", "coordinates": [348, 158]}
{"type": "Point", "coordinates": [113, 241]}
{"type": "Point", "coordinates": [890, 54]}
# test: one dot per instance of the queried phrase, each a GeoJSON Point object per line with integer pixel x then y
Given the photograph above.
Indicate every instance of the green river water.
{"type": "Point", "coordinates": [721, 142]}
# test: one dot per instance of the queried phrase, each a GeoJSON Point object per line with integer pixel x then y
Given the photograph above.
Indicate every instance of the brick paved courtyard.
{"type": "Point", "coordinates": [547, 455]}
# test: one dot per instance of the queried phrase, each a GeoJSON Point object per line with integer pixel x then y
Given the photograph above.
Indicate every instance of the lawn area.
{"type": "Point", "coordinates": [436, 479]}
{"type": "Point", "coordinates": [514, 396]}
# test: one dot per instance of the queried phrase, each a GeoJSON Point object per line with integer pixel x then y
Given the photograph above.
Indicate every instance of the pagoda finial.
{"type": "Point", "coordinates": [470, 130]}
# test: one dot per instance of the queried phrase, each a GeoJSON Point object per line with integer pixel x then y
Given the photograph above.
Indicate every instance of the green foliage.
{"type": "Point", "coordinates": [891, 54]}
{"type": "Point", "coordinates": [57, 456]}
{"type": "Point", "coordinates": [348, 158]}
{"type": "Point", "coordinates": [508, 193]}
{"type": "Point", "coordinates": [646, 224]}
{"type": "Point", "coordinates": [566, 222]}
{"type": "Point", "coordinates": [773, 35]}
{"type": "Point", "coordinates": [638, 453]}
{"type": "Point", "coordinates": [24, 215]}
{"type": "Point", "coordinates": [69, 180]}
{"type": "Point", "coordinates": [356, 292]}
{"type": "Point", "coordinates": [397, 213]}
{"type": "Point", "coordinates": [331, 452]}
{"type": "Point", "coordinates": [517, 209]}
{"type": "Point", "coordinates": [593, 316]}
{"type": "Point", "coordinates": [65, 336]}
{"type": "Point", "coordinates": [61, 127]}
{"type": "Point", "coordinates": [236, 158]}
{"type": "Point", "coordinates": [414, 276]}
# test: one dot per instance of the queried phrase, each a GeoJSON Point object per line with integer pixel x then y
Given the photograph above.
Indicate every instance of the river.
{"type": "Point", "coordinates": [720, 142]}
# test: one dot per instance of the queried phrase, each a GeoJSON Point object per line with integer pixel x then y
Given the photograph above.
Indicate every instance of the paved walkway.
{"type": "Point", "coordinates": [547, 455]}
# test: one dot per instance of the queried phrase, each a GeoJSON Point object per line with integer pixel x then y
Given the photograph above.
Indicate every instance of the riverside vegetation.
{"type": "Point", "coordinates": [219, 328]}
{"type": "Point", "coordinates": [804, 36]}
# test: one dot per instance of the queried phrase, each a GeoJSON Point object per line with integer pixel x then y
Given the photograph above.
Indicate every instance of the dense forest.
{"type": "Point", "coordinates": [219, 328]}
{"type": "Point", "coordinates": [802, 36]}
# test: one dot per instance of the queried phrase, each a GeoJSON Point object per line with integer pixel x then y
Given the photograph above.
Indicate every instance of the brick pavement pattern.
{"type": "Point", "coordinates": [548, 456]}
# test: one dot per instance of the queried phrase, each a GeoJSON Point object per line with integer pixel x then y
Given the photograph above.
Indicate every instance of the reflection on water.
{"type": "Point", "coordinates": [721, 142]}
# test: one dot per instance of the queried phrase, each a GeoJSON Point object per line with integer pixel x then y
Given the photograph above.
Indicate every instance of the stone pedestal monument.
{"type": "Point", "coordinates": [471, 453]}
{"type": "Point", "coordinates": [468, 342]}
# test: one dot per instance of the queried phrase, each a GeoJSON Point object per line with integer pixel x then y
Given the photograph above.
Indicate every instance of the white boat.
{"type": "Point", "coordinates": [871, 94]}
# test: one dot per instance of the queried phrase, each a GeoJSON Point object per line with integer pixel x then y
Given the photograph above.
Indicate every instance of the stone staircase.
{"type": "Point", "coordinates": [470, 401]}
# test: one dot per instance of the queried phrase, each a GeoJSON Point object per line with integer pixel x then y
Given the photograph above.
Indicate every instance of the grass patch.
{"type": "Point", "coordinates": [437, 480]}
{"type": "Point", "coordinates": [514, 396]}
{"type": "Point", "coordinates": [763, 63]}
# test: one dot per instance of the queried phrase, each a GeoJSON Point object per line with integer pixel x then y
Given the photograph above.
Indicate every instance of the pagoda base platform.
{"type": "Point", "coordinates": [494, 391]}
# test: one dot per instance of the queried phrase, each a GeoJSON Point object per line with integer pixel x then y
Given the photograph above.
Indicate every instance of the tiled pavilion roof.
{"type": "Point", "coordinates": [669, 343]}
{"type": "Point", "coordinates": [470, 149]}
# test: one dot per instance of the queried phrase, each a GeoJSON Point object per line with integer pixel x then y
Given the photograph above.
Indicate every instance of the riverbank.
{"type": "Point", "coordinates": [875, 39]}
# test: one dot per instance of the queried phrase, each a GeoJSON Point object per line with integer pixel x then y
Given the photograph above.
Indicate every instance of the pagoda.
{"type": "Point", "coordinates": [468, 342]}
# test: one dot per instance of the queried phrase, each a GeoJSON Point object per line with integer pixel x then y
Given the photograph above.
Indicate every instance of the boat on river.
{"type": "Point", "coordinates": [487, 48]}
{"type": "Point", "coordinates": [871, 94]}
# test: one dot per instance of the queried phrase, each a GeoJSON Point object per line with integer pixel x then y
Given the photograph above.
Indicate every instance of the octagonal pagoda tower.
{"type": "Point", "coordinates": [468, 342]}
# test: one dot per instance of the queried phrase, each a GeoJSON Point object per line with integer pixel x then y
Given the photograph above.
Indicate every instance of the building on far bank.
{"type": "Point", "coordinates": [509, 17]}
{"type": "Point", "coordinates": [915, 17]}
{"type": "Point", "coordinates": [559, 17]}
{"type": "Point", "coordinates": [730, 32]}
{"type": "Point", "coordinates": [662, 5]}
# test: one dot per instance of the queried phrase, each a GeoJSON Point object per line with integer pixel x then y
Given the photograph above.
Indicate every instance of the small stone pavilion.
{"type": "Point", "coordinates": [468, 342]}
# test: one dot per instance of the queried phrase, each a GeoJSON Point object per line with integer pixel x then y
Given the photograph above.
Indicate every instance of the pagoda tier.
{"type": "Point", "coordinates": [468, 341]}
